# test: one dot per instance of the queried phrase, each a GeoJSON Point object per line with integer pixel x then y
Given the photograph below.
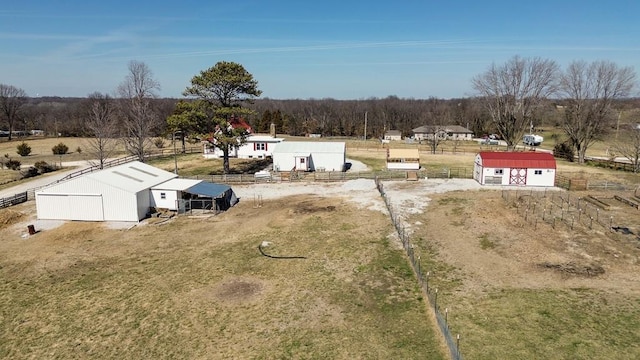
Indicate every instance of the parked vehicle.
{"type": "Point", "coordinates": [532, 140]}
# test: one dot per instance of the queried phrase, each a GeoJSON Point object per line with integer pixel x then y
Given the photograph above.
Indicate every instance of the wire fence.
{"type": "Point", "coordinates": [453, 343]}
{"type": "Point", "coordinates": [558, 208]}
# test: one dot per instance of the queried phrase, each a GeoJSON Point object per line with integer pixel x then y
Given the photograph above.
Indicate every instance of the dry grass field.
{"type": "Point", "coordinates": [198, 287]}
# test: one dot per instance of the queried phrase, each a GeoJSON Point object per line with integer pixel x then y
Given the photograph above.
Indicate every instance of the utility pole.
{"type": "Point", "coordinates": [365, 126]}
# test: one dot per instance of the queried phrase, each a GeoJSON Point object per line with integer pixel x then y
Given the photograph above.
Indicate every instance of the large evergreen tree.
{"type": "Point", "coordinates": [224, 89]}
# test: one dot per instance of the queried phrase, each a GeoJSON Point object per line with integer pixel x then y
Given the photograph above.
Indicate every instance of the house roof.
{"type": "Point", "coordinates": [263, 138]}
{"type": "Point", "coordinates": [308, 147]}
{"type": "Point", "coordinates": [517, 159]}
{"type": "Point", "coordinates": [430, 129]}
{"type": "Point", "coordinates": [133, 177]}
{"type": "Point", "coordinates": [403, 154]}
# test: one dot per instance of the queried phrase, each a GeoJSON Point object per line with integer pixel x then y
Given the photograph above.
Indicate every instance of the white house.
{"type": "Point", "coordinates": [403, 159]}
{"type": "Point", "coordinates": [256, 147]}
{"type": "Point", "coordinates": [443, 132]}
{"type": "Point", "coordinates": [309, 156]}
{"type": "Point", "coordinates": [393, 135]}
{"type": "Point", "coordinates": [120, 193]}
{"type": "Point", "coordinates": [184, 194]}
{"type": "Point", "coordinates": [528, 168]}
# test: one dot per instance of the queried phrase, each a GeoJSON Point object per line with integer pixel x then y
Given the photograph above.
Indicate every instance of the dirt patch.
{"type": "Point", "coordinates": [308, 207]}
{"type": "Point", "coordinates": [573, 269]}
{"type": "Point", "coordinates": [237, 290]}
{"type": "Point", "coordinates": [9, 217]}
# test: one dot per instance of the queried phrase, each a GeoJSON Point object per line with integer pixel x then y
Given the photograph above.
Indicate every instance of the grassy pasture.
{"type": "Point", "coordinates": [199, 288]}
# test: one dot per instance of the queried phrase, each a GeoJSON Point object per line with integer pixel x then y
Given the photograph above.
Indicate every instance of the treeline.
{"type": "Point", "coordinates": [297, 117]}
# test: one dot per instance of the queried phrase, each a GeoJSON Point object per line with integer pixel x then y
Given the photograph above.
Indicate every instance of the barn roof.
{"type": "Point", "coordinates": [176, 184]}
{"type": "Point", "coordinates": [134, 176]}
{"type": "Point", "coordinates": [308, 147]}
{"type": "Point", "coordinates": [517, 159]}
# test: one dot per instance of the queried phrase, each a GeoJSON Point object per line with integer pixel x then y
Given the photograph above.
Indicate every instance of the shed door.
{"type": "Point", "coordinates": [518, 176]}
{"type": "Point", "coordinates": [85, 207]}
{"type": "Point", "coordinates": [302, 163]}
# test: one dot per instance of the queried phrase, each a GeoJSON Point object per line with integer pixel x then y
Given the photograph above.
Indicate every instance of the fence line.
{"type": "Point", "coordinates": [557, 208]}
{"type": "Point", "coordinates": [453, 344]}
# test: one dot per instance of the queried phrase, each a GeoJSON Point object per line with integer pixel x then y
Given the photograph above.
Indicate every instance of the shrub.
{"type": "Point", "coordinates": [43, 167]}
{"type": "Point", "coordinates": [158, 142]}
{"type": "Point", "coordinates": [13, 164]}
{"type": "Point", "coordinates": [24, 149]}
{"type": "Point", "coordinates": [565, 151]}
{"type": "Point", "coordinates": [79, 150]}
{"type": "Point", "coordinates": [60, 149]}
{"type": "Point", "coordinates": [31, 172]}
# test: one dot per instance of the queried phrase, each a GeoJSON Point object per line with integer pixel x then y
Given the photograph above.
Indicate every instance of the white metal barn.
{"type": "Point", "coordinates": [309, 156]}
{"type": "Point", "coordinates": [515, 168]}
{"type": "Point", "coordinates": [120, 193]}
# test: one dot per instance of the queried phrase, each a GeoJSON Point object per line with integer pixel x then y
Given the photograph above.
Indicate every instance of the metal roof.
{"type": "Point", "coordinates": [133, 177]}
{"type": "Point", "coordinates": [517, 159]}
{"type": "Point", "coordinates": [403, 154]}
{"type": "Point", "coordinates": [208, 189]}
{"type": "Point", "coordinates": [177, 184]}
{"type": "Point", "coordinates": [307, 147]}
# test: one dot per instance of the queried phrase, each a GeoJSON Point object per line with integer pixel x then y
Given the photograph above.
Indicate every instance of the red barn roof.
{"type": "Point", "coordinates": [517, 159]}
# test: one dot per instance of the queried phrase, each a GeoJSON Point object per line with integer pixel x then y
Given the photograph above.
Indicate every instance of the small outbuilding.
{"type": "Point", "coordinates": [119, 193]}
{"type": "Point", "coordinates": [528, 168]}
{"type": "Point", "coordinates": [393, 135]}
{"type": "Point", "coordinates": [309, 156]}
{"type": "Point", "coordinates": [403, 159]}
{"type": "Point", "coordinates": [182, 195]}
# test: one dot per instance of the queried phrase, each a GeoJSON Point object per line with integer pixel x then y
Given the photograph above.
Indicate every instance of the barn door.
{"type": "Point", "coordinates": [518, 176]}
{"type": "Point", "coordinates": [302, 163]}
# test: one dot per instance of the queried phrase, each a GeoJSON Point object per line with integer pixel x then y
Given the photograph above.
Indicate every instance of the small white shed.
{"type": "Point", "coordinates": [184, 194]}
{"type": "Point", "coordinates": [403, 159]}
{"type": "Point", "coordinates": [120, 193]}
{"type": "Point", "coordinates": [528, 168]}
{"type": "Point", "coordinates": [309, 156]}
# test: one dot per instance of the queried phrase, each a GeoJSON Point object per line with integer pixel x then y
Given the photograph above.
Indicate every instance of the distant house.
{"type": "Point", "coordinates": [393, 135]}
{"type": "Point", "coordinates": [309, 156]}
{"type": "Point", "coordinates": [403, 159]}
{"type": "Point", "coordinates": [443, 132]}
{"type": "Point", "coordinates": [256, 147]}
{"type": "Point", "coordinates": [528, 168]}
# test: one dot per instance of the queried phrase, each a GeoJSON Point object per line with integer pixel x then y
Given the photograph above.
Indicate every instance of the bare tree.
{"type": "Point", "coordinates": [102, 125]}
{"type": "Point", "coordinates": [139, 117]}
{"type": "Point", "coordinates": [589, 91]}
{"type": "Point", "coordinates": [12, 100]}
{"type": "Point", "coordinates": [628, 145]}
{"type": "Point", "coordinates": [512, 93]}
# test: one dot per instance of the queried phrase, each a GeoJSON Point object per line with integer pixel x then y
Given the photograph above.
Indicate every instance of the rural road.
{"type": "Point", "coordinates": [39, 181]}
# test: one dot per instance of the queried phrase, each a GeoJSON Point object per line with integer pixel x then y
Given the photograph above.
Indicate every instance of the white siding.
{"type": "Point", "coordinates": [403, 165]}
{"type": "Point", "coordinates": [65, 207]}
{"type": "Point", "coordinates": [545, 178]}
{"type": "Point", "coordinates": [323, 156]}
{"type": "Point", "coordinates": [169, 202]}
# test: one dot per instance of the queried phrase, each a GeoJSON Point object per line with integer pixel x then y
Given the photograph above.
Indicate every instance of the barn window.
{"type": "Point", "coordinates": [163, 195]}
{"type": "Point", "coordinates": [301, 160]}
{"type": "Point", "coordinates": [538, 172]}
{"type": "Point", "coordinates": [261, 146]}
{"type": "Point", "coordinates": [498, 171]}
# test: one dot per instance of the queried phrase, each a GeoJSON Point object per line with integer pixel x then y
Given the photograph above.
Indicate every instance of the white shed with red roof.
{"type": "Point", "coordinates": [528, 168]}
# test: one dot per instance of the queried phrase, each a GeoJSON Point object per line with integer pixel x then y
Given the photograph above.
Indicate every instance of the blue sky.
{"type": "Point", "coordinates": [304, 49]}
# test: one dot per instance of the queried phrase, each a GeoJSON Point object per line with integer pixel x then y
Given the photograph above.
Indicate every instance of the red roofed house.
{"type": "Point", "coordinates": [528, 168]}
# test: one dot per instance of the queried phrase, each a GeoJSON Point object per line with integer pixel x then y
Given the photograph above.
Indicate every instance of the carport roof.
{"type": "Point", "coordinates": [208, 189]}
